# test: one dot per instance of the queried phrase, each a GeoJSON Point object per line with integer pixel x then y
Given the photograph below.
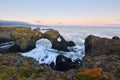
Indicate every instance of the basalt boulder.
{"type": "Point", "coordinates": [116, 38]}
{"type": "Point", "coordinates": [63, 63]}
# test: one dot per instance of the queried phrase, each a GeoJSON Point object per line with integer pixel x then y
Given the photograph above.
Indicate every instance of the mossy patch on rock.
{"type": "Point", "coordinates": [18, 67]}
{"type": "Point", "coordinates": [51, 34]}
{"type": "Point", "coordinates": [25, 38]}
{"type": "Point", "coordinates": [84, 77]}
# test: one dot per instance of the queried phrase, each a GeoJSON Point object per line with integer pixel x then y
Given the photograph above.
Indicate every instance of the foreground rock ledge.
{"type": "Point", "coordinates": [25, 38]}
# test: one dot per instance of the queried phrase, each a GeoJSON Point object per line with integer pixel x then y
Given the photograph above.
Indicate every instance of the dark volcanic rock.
{"type": "Point", "coordinates": [70, 43]}
{"type": "Point", "coordinates": [103, 53]}
{"type": "Point", "coordinates": [4, 39]}
{"type": "Point", "coordinates": [116, 38]}
{"type": "Point", "coordinates": [63, 63]}
{"type": "Point", "coordinates": [98, 46]}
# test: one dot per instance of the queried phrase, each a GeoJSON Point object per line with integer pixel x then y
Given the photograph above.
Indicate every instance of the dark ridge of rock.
{"type": "Point", "coordinates": [116, 38]}
{"type": "Point", "coordinates": [25, 38]}
{"type": "Point", "coordinates": [63, 63]}
{"type": "Point", "coordinates": [103, 53]}
{"type": "Point", "coordinates": [3, 40]}
{"type": "Point", "coordinates": [14, 48]}
{"type": "Point", "coordinates": [70, 43]}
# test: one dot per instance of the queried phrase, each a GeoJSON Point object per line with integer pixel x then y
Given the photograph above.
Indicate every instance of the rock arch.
{"type": "Point", "coordinates": [25, 38]}
{"type": "Point", "coordinates": [53, 36]}
{"type": "Point", "coordinates": [44, 42]}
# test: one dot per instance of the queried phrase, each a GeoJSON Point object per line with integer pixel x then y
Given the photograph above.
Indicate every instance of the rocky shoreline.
{"type": "Point", "coordinates": [101, 61]}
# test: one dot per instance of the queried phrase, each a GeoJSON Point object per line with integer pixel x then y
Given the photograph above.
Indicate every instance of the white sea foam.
{"type": "Point", "coordinates": [45, 54]}
{"type": "Point", "coordinates": [59, 39]}
{"type": "Point", "coordinates": [7, 44]}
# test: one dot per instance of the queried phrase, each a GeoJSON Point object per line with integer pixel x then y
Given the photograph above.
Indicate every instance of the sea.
{"type": "Point", "coordinates": [45, 54]}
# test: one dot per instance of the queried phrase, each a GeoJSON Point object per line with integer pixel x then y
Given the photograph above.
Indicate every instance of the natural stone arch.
{"type": "Point", "coordinates": [53, 36]}
{"type": "Point", "coordinates": [25, 38]}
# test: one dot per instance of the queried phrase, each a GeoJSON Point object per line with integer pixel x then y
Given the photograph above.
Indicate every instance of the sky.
{"type": "Point", "coordinates": [62, 12]}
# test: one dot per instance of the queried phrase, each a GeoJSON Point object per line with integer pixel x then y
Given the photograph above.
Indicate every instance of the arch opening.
{"type": "Point", "coordinates": [44, 42]}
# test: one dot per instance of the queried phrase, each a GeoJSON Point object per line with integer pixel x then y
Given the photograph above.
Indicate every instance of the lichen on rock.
{"type": "Point", "coordinates": [25, 38]}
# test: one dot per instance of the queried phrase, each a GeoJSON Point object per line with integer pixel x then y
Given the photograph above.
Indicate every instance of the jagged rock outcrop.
{"type": "Point", "coordinates": [103, 53]}
{"type": "Point", "coordinates": [116, 38]}
{"type": "Point", "coordinates": [25, 38]}
{"type": "Point", "coordinates": [98, 46]}
{"type": "Point", "coordinates": [58, 42]}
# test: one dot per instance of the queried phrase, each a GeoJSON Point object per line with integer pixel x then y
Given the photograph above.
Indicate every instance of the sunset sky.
{"type": "Point", "coordinates": [62, 12]}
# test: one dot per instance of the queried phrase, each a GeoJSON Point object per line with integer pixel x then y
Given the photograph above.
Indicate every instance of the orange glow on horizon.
{"type": "Point", "coordinates": [71, 21]}
{"type": "Point", "coordinates": [79, 22]}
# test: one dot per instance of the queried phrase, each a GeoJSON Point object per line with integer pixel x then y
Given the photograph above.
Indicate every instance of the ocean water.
{"type": "Point", "coordinates": [45, 54]}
